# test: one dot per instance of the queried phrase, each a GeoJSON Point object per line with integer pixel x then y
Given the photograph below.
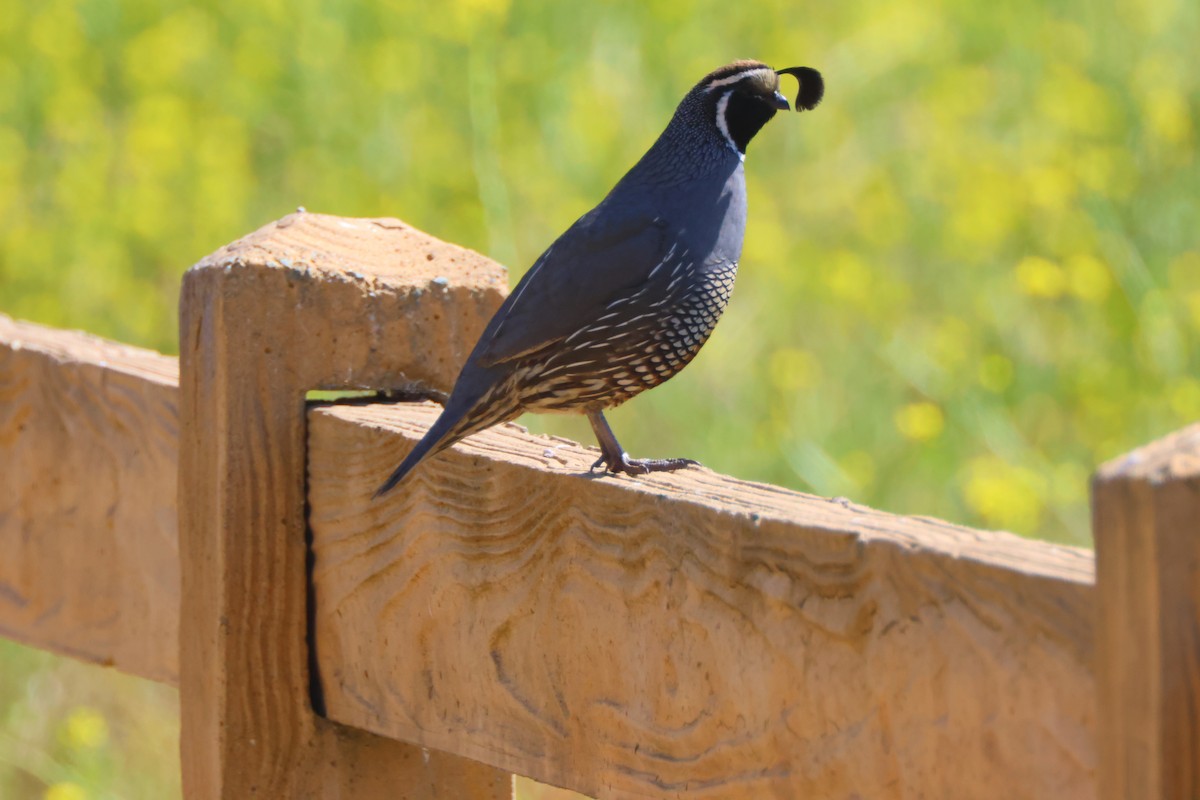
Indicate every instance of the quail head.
{"type": "Point", "coordinates": [624, 298]}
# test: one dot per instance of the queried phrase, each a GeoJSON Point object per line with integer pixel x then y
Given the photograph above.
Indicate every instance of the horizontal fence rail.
{"type": "Point", "coordinates": [675, 635]}
{"type": "Point", "coordinates": [688, 634]}
{"type": "Point", "coordinates": [89, 450]}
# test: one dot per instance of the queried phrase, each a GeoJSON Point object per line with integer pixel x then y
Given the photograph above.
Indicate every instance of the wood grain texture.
{"type": "Point", "coordinates": [308, 302]}
{"type": "Point", "coordinates": [688, 635]}
{"type": "Point", "coordinates": [382, 302]}
{"type": "Point", "coordinates": [88, 454]}
{"type": "Point", "coordinates": [1146, 508]}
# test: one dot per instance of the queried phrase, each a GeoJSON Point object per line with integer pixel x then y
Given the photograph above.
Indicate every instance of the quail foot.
{"type": "Point", "coordinates": [625, 298]}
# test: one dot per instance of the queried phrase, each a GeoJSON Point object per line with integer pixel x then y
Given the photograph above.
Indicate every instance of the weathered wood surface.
{"type": "Point", "coordinates": [1146, 517]}
{"type": "Point", "coordinates": [89, 564]}
{"type": "Point", "coordinates": [688, 634]}
{"type": "Point", "coordinates": [308, 302]}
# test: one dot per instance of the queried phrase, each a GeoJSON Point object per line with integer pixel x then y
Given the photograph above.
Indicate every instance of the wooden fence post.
{"type": "Point", "coordinates": [1146, 509]}
{"type": "Point", "coordinates": [308, 302]}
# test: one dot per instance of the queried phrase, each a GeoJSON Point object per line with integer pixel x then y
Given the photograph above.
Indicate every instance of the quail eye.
{"type": "Point", "coordinates": [761, 90]}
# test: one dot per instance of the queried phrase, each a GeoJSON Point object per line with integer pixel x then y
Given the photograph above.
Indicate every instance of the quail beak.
{"type": "Point", "coordinates": [780, 102]}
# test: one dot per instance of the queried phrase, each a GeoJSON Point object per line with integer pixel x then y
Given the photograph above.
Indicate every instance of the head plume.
{"type": "Point", "coordinates": [812, 86]}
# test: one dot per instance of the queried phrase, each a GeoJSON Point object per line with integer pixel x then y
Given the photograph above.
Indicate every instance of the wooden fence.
{"type": "Point", "coordinates": [681, 635]}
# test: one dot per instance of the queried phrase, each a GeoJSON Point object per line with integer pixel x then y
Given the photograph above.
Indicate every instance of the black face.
{"type": "Point", "coordinates": [745, 115]}
{"type": "Point", "coordinates": [745, 106]}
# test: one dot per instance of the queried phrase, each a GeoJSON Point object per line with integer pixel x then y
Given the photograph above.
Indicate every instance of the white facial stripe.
{"type": "Point", "coordinates": [723, 127]}
{"type": "Point", "coordinates": [737, 77]}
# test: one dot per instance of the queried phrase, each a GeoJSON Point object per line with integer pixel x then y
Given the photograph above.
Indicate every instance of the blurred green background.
{"type": "Point", "coordinates": [971, 275]}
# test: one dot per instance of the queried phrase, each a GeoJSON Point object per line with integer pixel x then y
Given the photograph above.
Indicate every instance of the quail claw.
{"type": "Point", "coordinates": [641, 466]}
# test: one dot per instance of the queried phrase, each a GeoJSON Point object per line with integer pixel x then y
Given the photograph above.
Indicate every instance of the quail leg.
{"type": "Point", "coordinates": [614, 459]}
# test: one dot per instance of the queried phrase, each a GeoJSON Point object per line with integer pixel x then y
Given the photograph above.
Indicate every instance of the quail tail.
{"type": "Point", "coordinates": [455, 422]}
{"type": "Point", "coordinates": [438, 437]}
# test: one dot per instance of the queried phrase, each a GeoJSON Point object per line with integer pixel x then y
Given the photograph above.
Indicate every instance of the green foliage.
{"type": "Point", "coordinates": [970, 275]}
{"type": "Point", "coordinates": [69, 731]}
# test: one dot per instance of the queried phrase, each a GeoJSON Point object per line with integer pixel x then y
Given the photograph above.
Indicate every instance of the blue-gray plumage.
{"type": "Point", "coordinates": [625, 297]}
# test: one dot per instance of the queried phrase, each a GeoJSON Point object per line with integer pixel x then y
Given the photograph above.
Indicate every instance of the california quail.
{"type": "Point", "coordinates": [627, 295]}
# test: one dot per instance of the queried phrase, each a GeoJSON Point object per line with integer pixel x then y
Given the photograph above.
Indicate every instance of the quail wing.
{"type": "Point", "coordinates": [569, 286]}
